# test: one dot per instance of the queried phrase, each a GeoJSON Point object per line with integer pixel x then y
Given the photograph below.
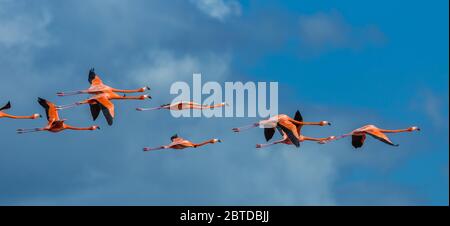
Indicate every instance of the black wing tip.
{"type": "Point", "coordinates": [107, 114]}
{"type": "Point", "coordinates": [91, 75]}
{"type": "Point", "coordinates": [7, 106]}
{"type": "Point", "coordinates": [298, 116]}
{"type": "Point", "coordinates": [43, 102]}
{"type": "Point", "coordinates": [290, 135]}
{"type": "Point", "coordinates": [268, 133]}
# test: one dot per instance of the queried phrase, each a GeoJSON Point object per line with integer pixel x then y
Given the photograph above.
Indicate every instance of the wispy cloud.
{"type": "Point", "coordinates": [163, 67]}
{"type": "Point", "coordinates": [325, 30]}
{"type": "Point", "coordinates": [23, 29]}
{"type": "Point", "coordinates": [218, 9]}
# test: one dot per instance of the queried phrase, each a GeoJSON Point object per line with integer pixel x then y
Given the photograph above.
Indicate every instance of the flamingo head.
{"type": "Point", "coordinates": [414, 128]}
{"type": "Point", "coordinates": [95, 127]}
{"type": "Point", "coordinates": [325, 123]}
{"type": "Point", "coordinates": [331, 138]}
{"type": "Point", "coordinates": [145, 88]}
{"type": "Point", "coordinates": [258, 146]}
{"type": "Point", "coordinates": [35, 116]}
{"type": "Point", "coordinates": [216, 141]}
{"type": "Point", "coordinates": [146, 96]}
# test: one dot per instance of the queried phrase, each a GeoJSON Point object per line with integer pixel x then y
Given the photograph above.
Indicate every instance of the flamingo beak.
{"type": "Point", "coordinates": [220, 141]}
{"type": "Point", "coordinates": [329, 123]}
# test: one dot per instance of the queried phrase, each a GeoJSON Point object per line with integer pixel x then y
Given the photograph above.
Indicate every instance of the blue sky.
{"type": "Point", "coordinates": [350, 62]}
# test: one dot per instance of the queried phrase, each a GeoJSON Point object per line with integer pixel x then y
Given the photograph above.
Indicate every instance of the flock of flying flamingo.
{"type": "Point", "coordinates": [102, 96]}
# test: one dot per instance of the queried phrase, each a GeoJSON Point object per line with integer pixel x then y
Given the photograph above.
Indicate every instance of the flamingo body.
{"type": "Point", "coordinates": [289, 128]}
{"type": "Point", "coordinates": [183, 105]}
{"type": "Point", "coordinates": [179, 143]}
{"type": "Point", "coordinates": [97, 87]}
{"type": "Point", "coordinates": [359, 135]}
{"type": "Point", "coordinates": [55, 124]}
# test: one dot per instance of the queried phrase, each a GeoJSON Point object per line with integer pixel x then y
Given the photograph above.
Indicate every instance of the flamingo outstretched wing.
{"type": "Point", "coordinates": [94, 79]}
{"type": "Point", "coordinates": [107, 107]}
{"type": "Point", "coordinates": [298, 117]}
{"type": "Point", "coordinates": [291, 131]}
{"type": "Point", "coordinates": [6, 107]}
{"type": "Point", "coordinates": [95, 110]}
{"type": "Point", "coordinates": [381, 137]}
{"type": "Point", "coordinates": [358, 140]}
{"type": "Point", "coordinates": [50, 109]}
{"type": "Point", "coordinates": [268, 133]}
{"type": "Point", "coordinates": [174, 137]}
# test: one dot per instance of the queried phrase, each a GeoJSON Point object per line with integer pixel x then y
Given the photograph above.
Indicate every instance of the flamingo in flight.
{"type": "Point", "coordinates": [102, 102]}
{"type": "Point", "coordinates": [359, 135]}
{"type": "Point", "coordinates": [179, 143]}
{"type": "Point", "coordinates": [97, 87]}
{"type": "Point", "coordinates": [182, 105]}
{"type": "Point", "coordinates": [5, 115]}
{"type": "Point", "coordinates": [101, 98]}
{"type": "Point", "coordinates": [55, 124]}
{"type": "Point", "coordinates": [272, 122]}
{"type": "Point", "coordinates": [290, 129]}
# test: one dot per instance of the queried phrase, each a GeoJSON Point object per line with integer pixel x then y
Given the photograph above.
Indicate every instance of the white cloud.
{"type": "Point", "coordinates": [218, 9]}
{"type": "Point", "coordinates": [433, 106]}
{"type": "Point", "coordinates": [21, 29]}
{"type": "Point", "coordinates": [321, 30]}
{"type": "Point", "coordinates": [162, 68]}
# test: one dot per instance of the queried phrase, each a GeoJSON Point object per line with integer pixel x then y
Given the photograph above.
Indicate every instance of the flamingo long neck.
{"type": "Point", "coordinates": [204, 143]}
{"type": "Point", "coordinates": [213, 106]}
{"type": "Point", "coordinates": [19, 117]}
{"type": "Point", "coordinates": [77, 128]}
{"type": "Point", "coordinates": [311, 123]}
{"type": "Point", "coordinates": [394, 130]}
{"type": "Point", "coordinates": [128, 98]}
{"type": "Point", "coordinates": [316, 139]}
{"type": "Point", "coordinates": [127, 90]}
